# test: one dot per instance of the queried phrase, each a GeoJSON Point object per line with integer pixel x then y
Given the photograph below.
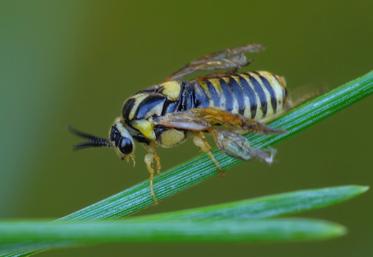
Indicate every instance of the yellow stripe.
{"type": "Point", "coordinates": [267, 94]}
{"type": "Point", "coordinates": [204, 88]}
{"type": "Point", "coordinates": [138, 99]}
{"type": "Point", "coordinates": [226, 79]}
{"type": "Point", "coordinates": [145, 127]}
{"type": "Point", "coordinates": [216, 84]}
{"type": "Point", "coordinates": [277, 86]}
{"type": "Point", "coordinates": [171, 89]}
{"type": "Point", "coordinates": [259, 112]}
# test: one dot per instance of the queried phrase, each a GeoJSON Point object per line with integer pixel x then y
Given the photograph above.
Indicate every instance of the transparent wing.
{"type": "Point", "coordinates": [237, 146]}
{"type": "Point", "coordinates": [203, 119]}
{"type": "Point", "coordinates": [228, 59]}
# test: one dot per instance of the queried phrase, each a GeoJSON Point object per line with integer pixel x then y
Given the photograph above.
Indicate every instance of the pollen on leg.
{"type": "Point", "coordinates": [155, 159]}
{"type": "Point", "coordinates": [149, 157]}
{"type": "Point", "coordinates": [157, 164]}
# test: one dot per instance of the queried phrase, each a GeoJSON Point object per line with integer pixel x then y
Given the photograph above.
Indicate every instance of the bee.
{"type": "Point", "coordinates": [225, 103]}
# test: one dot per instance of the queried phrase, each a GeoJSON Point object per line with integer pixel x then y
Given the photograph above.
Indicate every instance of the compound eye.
{"type": "Point", "coordinates": [125, 146]}
{"type": "Point", "coordinates": [114, 135]}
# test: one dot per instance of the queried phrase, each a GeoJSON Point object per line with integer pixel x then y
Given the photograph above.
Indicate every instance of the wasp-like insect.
{"type": "Point", "coordinates": [222, 104]}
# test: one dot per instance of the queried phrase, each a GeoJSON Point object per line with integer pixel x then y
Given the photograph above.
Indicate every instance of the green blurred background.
{"type": "Point", "coordinates": [74, 62]}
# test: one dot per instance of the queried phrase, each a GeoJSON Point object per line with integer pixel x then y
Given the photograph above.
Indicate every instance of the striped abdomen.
{"type": "Point", "coordinates": [256, 95]}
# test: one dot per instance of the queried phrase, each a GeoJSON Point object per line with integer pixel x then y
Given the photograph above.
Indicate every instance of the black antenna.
{"type": "Point", "coordinates": [93, 141]}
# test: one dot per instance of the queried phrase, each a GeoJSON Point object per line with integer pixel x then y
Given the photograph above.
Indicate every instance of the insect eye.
{"type": "Point", "coordinates": [114, 135]}
{"type": "Point", "coordinates": [125, 146]}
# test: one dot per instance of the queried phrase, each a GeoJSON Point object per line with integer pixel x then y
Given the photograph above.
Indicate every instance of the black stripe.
{"type": "Point", "coordinates": [249, 92]}
{"type": "Point", "coordinates": [277, 79]}
{"type": "Point", "coordinates": [158, 130]}
{"type": "Point", "coordinates": [169, 106]}
{"type": "Point", "coordinates": [259, 90]}
{"type": "Point", "coordinates": [147, 104]}
{"type": "Point", "coordinates": [127, 107]}
{"type": "Point", "coordinates": [272, 93]}
{"type": "Point", "coordinates": [140, 138]}
{"type": "Point", "coordinates": [285, 94]}
{"type": "Point", "coordinates": [151, 89]}
{"type": "Point", "coordinates": [213, 93]}
{"type": "Point", "coordinates": [200, 97]}
{"type": "Point", "coordinates": [227, 94]}
{"type": "Point", "coordinates": [186, 100]}
{"type": "Point", "coordinates": [238, 94]}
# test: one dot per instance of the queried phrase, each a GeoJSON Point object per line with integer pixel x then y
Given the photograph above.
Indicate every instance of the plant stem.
{"type": "Point", "coordinates": [226, 230]}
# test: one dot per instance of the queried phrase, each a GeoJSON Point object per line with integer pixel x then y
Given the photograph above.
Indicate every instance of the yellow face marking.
{"type": "Point", "coordinates": [171, 89]}
{"type": "Point", "coordinates": [145, 127]}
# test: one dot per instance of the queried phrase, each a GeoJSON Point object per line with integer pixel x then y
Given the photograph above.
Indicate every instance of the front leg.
{"type": "Point", "coordinates": [153, 165]}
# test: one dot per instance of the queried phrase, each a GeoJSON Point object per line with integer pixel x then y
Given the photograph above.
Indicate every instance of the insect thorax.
{"type": "Point", "coordinates": [154, 101]}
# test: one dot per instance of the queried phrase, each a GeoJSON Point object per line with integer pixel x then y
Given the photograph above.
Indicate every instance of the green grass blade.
{"type": "Point", "coordinates": [226, 230]}
{"type": "Point", "coordinates": [200, 168]}
{"type": "Point", "coordinates": [261, 207]}
{"type": "Point", "coordinates": [266, 206]}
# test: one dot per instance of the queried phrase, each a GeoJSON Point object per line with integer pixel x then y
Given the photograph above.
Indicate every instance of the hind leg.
{"type": "Point", "coordinates": [237, 146]}
{"type": "Point", "coordinates": [199, 140]}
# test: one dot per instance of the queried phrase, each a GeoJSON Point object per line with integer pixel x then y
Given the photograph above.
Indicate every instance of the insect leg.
{"type": "Point", "coordinates": [130, 158]}
{"type": "Point", "coordinates": [235, 145]}
{"type": "Point", "coordinates": [152, 159]}
{"type": "Point", "coordinates": [200, 141]}
{"type": "Point", "coordinates": [231, 58]}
